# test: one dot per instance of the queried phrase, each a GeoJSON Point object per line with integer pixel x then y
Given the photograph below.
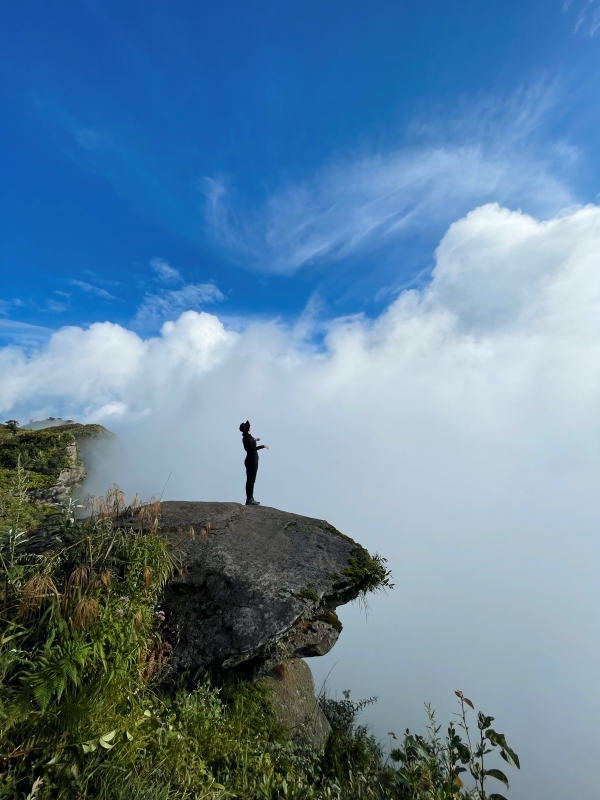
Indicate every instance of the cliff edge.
{"type": "Point", "coordinates": [257, 586]}
{"type": "Point", "coordinates": [256, 592]}
{"type": "Point", "coordinates": [50, 454]}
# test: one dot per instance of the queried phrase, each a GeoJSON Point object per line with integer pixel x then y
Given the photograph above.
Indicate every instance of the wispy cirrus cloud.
{"type": "Point", "coordinates": [587, 21]}
{"type": "Point", "coordinates": [101, 279]}
{"type": "Point", "coordinates": [164, 271]}
{"type": "Point", "coordinates": [49, 306]}
{"type": "Point", "coordinates": [23, 334]}
{"type": "Point", "coordinates": [91, 289]}
{"type": "Point", "coordinates": [490, 154]}
{"type": "Point", "coordinates": [168, 304]}
{"type": "Point", "coordinates": [56, 306]}
{"type": "Point", "coordinates": [91, 139]}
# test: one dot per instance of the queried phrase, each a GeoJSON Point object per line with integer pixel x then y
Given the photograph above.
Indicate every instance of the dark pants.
{"type": "Point", "coordinates": [251, 470]}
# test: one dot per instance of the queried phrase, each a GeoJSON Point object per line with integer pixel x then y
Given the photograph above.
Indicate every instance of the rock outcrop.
{"type": "Point", "coordinates": [51, 455]}
{"type": "Point", "coordinates": [68, 479]}
{"type": "Point", "coordinates": [295, 704]}
{"type": "Point", "coordinates": [257, 586]}
{"type": "Point", "coordinates": [78, 441]}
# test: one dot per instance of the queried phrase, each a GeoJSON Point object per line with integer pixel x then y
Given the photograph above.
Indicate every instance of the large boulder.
{"type": "Point", "coordinates": [296, 707]}
{"type": "Point", "coordinates": [257, 586]}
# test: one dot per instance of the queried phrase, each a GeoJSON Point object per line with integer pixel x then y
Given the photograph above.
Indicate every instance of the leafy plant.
{"type": "Point", "coordinates": [431, 767]}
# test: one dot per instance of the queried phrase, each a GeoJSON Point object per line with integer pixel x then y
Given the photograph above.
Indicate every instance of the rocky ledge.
{"type": "Point", "coordinates": [257, 586]}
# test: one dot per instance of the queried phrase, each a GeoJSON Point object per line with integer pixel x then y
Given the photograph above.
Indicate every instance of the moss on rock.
{"type": "Point", "coordinates": [331, 618]}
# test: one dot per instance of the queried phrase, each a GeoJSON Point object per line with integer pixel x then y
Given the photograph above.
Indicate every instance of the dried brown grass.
{"type": "Point", "coordinates": [78, 580]}
{"type": "Point", "coordinates": [205, 532]}
{"type": "Point", "coordinates": [115, 499]}
{"type": "Point", "coordinates": [86, 613]}
{"type": "Point", "coordinates": [147, 577]}
{"type": "Point", "coordinates": [112, 504]}
{"type": "Point", "coordinates": [156, 658]}
{"type": "Point", "coordinates": [35, 592]}
{"type": "Point", "coordinates": [105, 578]}
{"type": "Point", "coordinates": [149, 512]}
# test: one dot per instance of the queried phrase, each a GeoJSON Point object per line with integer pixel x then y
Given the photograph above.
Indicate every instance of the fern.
{"type": "Point", "coordinates": [59, 666]}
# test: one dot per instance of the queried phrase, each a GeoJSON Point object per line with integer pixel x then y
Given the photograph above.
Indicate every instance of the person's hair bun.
{"type": "Point", "coordinates": [245, 426]}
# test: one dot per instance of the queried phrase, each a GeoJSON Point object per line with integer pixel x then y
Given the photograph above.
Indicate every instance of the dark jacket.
{"type": "Point", "coordinates": [251, 449]}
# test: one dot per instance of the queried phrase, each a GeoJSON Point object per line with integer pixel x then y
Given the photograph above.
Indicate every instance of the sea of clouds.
{"type": "Point", "coordinates": [457, 434]}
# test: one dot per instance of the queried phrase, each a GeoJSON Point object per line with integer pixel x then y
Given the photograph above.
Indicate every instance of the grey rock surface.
{"type": "Point", "coordinates": [295, 704]}
{"type": "Point", "coordinates": [69, 478]}
{"type": "Point", "coordinates": [67, 481]}
{"type": "Point", "coordinates": [257, 586]}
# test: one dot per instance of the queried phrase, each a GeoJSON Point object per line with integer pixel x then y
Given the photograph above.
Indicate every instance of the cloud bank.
{"type": "Point", "coordinates": [457, 434]}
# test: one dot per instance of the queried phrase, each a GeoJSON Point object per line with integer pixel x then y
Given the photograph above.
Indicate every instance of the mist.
{"type": "Point", "coordinates": [457, 434]}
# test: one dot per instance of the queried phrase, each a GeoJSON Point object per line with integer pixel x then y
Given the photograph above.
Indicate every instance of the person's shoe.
{"type": "Point", "coordinates": [252, 502]}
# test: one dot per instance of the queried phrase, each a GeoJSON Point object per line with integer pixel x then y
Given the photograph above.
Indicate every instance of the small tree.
{"type": "Point", "coordinates": [12, 425]}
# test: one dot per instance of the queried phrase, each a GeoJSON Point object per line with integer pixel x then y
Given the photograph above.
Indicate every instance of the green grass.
{"type": "Point", "coordinates": [368, 573]}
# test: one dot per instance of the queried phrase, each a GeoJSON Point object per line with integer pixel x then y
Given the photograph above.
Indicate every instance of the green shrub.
{"type": "Point", "coordinates": [353, 759]}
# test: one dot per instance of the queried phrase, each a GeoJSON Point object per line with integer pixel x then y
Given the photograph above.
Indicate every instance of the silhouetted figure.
{"type": "Point", "coordinates": [251, 461]}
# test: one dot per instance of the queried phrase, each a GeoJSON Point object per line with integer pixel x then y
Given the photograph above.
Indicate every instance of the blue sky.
{"type": "Point", "coordinates": [274, 155]}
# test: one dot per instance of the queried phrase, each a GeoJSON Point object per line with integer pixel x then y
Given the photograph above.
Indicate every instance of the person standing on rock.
{"type": "Point", "coordinates": [251, 461]}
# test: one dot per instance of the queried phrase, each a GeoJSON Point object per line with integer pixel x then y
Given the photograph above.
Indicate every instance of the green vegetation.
{"type": "Point", "coordinates": [42, 453]}
{"type": "Point", "coordinates": [309, 594]}
{"type": "Point", "coordinates": [368, 573]}
{"type": "Point", "coordinates": [89, 709]}
{"type": "Point", "coordinates": [30, 461]}
{"type": "Point", "coordinates": [422, 767]}
{"type": "Point", "coordinates": [16, 503]}
{"type": "Point", "coordinates": [332, 619]}
{"type": "Point", "coordinates": [83, 432]}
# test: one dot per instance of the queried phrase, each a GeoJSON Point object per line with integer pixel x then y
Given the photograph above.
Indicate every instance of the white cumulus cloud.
{"type": "Point", "coordinates": [457, 434]}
